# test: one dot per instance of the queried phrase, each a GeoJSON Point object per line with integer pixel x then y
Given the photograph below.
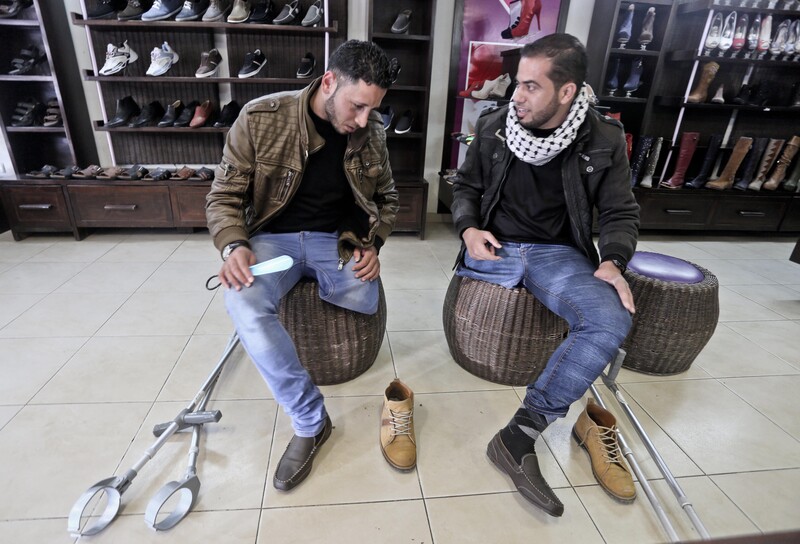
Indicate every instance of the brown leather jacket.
{"type": "Point", "coordinates": [262, 167]}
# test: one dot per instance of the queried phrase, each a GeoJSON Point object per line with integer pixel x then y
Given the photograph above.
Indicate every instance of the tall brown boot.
{"type": "Point", "coordinates": [688, 145]}
{"type": "Point", "coordinates": [783, 163]}
{"type": "Point", "coordinates": [707, 75]}
{"type": "Point", "coordinates": [770, 156]}
{"type": "Point", "coordinates": [725, 179]}
{"type": "Point", "coordinates": [791, 183]}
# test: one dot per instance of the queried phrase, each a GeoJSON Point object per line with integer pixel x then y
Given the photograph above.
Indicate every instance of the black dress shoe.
{"type": "Point", "coordinates": [296, 462]}
{"type": "Point", "coordinates": [228, 115]}
{"type": "Point", "coordinates": [186, 115]}
{"type": "Point", "coordinates": [526, 476]}
{"type": "Point", "coordinates": [126, 108]}
{"type": "Point", "coordinates": [150, 114]}
{"type": "Point", "coordinates": [173, 111]}
{"type": "Point", "coordinates": [263, 13]}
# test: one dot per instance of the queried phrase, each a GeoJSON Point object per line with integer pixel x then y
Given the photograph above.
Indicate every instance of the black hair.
{"type": "Point", "coordinates": [568, 57]}
{"type": "Point", "coordinates": [357, 60]}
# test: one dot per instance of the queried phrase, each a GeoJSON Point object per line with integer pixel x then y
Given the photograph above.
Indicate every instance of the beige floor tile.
{"type": "Point", "coordinates": [65, 315]}
{"type": "Point", "coordinates": [507, 517]}
{"type": "Point", "coordinates": [33, 278]}
{"type": "Point", "coordinates": [230, 527]}
{"type": "Point", "coordinates": [717, 429]}
{"type": "Point", "coordinates": [637, 523]}
{"type": "Point", "coordinates": [423, 361]}
{"type": "Point", "coordinates": [26, 364]}
{"type": "Point", "coordinates": [384, 522]}
{"type": "Point", "coordinates": [232, 465]}
{"type": "Point", "coordinates": [198, 250]}
{"type": "Point", "coordinates": [777, 298]}
{"type": "Point", "coordinates": [172, 277]}
{"type": "Point", "coordinates": [17, 252]}
{"type": "Point", "coordinates": [40, 531]}
{"type": "Point", "coordinates": [144, 249]}
{"type": "Point", "coordinates": [6, 266]}
{"type": "Point", "coordinates": [72, 251]}
{"type": "Point", "coordinates": [769, 249]}
{"type": "Point", "coordinates": [774, 396]}
{"type": "Point", "coordinates": [725, 249]}
{"type": "Point", "coordinates": [102, 277]}
{"type": "Point", "coordinates": [769, 499]}
{"type": "Point", "coordinates": [12, 306]}
{"type": "Point", "coordinates": [453, 431]}
{"type": "Point", "coordinates": [730, 272]}
{"type": "Point", "coordinates": [729, 354]}
{"type": "Point", "coordinates": [349, 467]}
{"type": "Point", "coordinates": [158, 314]}
{"type": "Point", "coordinates": [7, 413]}
{"type": "Point", "coordinates": [239, 379]}
{"type": "Point", "coordinates": [52, 454]}
{"type": "Point", "coordinates": [215, 320]}
{"type": "Point", "coordinates": [412, 273]}
{"type": "Point", "coordinates": [679, 249]}
{"type": "Point", "coordinates": [414, 309]}
{"type": "Point", "coordinates": [777, 270]}
{"type": "Point", "coordinates": [735, 307]}
{"type": "Point", "coordinates": [372, 382]}
{"type": "Point", "coordinates": [114, 369]}
{"type": "Point", "coordinates": [575, 462]}
{"type": "Point", "coordinates": [778, 338]}
{"type": "Point", "coordinates": [694, 372]}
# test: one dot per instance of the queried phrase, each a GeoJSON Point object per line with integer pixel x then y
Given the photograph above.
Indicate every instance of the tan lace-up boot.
{"type": "Point", "coordinates": [596, 432]}
{"type": "Point", "coordinates": [398, 444]}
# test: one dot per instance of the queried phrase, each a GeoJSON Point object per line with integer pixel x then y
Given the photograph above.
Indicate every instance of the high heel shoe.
{"type": "Point", "coordinates": [764, 37]}
{"type": "Point", "coordinates": [634, 78]}
{"type": "Point", "coordinates": [625, 27]}
{"type": "Point", "coordinates": [701, 178]}
{"type": "Point", "coordinates": [719, 96]}
{"type": "Point", "coordinates": [781, 37]}
{"type": "Point", "coordinates": [740, 34]}
{"type": "Point", "coordinates": [751, 161]}
{"type": "Point", "coordinates": [646, 36]}
{"type": "Point", "coordinates": [528, 9]}
{"type": "Point", "coordinates": [714, 34]}
{"type": "Point", "coordinates": [726, 39]}
{"type": "Point", "coordinates": [791, 42]}
{"type": "Point", "coordinates": [752, 35]}
{"type": "Point", "coordinates": [687, 148]}
{"type": "Point", "coordinates": [612, 82]}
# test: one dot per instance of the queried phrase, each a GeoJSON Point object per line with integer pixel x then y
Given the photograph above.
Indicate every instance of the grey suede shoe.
{"type": "Point", "coordinates": [217, 10]}
{"type": "Point", "coordinates": [241, 11]}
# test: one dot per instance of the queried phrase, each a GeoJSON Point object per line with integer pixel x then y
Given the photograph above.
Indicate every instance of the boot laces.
{"type": "Point", "coordinates": [401, 423]}
{"type": "Point", "coordinates": [608, 438]}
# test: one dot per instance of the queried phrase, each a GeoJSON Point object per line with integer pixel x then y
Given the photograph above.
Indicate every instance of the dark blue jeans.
{"type": "Point", "coordinates": [562, 278]}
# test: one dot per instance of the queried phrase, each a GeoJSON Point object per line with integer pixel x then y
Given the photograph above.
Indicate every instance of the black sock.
{"type": "Point", "coordinates": [520, 435]}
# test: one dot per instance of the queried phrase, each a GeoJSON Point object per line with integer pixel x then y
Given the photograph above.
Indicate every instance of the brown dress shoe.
{"type": "Point", "coordinates": [398, 444]}
{"type": "Point", "coordinates": [596, 432]}
{"type": "Point", "coordinates": [295, 464]}
{"type": "Point", "coordinates": [202, 114]}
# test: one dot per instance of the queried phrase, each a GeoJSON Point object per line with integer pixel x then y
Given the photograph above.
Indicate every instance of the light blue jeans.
{"type": "Point", "coordinates": [562, 278]}
{"type": "Point", "coordinates": [254, 311]}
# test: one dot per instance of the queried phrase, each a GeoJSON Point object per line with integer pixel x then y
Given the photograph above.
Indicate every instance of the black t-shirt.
{"type": "Point", "coordinates": [324, 195]}
{"type": "Point", "coordinates": [532, 206]}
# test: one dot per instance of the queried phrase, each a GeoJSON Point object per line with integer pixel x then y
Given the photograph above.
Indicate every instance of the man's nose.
{"type": "Point", "coordinates": [362, 118]}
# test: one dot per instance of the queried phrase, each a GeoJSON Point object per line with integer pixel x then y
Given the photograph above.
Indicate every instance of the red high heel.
{"type": "Point", "coordinates": [530, 8]}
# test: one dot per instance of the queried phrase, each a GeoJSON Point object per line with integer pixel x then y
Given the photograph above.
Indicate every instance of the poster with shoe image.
{"type": "Point", "coordinates": [490, 28]}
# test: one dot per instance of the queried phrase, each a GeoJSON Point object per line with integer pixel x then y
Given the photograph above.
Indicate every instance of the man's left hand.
{"type": "Point", "coordinates": [609, 273]}
{"type": "Point", "coordinates": [368, 266]}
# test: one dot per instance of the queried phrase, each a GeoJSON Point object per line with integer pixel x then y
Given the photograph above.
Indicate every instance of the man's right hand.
{"type": "Point", "coordinates": [235, 271]}
{"type": "Point", "coordinates": [481, 244]}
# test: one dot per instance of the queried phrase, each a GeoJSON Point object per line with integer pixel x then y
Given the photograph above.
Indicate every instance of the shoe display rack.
{"type": "Point", "coordinates": [36, 127]}
{"type": "Point", "coordinates": [703, 104]}
{"type": "Point", "coordinates": [408, 99]}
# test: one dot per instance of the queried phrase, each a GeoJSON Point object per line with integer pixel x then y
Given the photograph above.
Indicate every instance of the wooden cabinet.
{"type": "Point", "coordinates": [127, 206]}
{"type": "Point", "coordinates": [414, 51]}
{"type": "Point", "coordinates": [35, 208]}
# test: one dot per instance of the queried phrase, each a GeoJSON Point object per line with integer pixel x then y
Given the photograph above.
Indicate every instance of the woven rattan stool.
{"type": "Point", "coordinates": [677, 308]}
{"type": "Point", "coordinates": [502, 335]}
{"type": "Point", "coordinates": [335, 345]}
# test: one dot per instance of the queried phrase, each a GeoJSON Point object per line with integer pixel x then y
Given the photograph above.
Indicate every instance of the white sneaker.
{"type": "Point", "coordinates": [162, 59]}
{"type": "Point", "coordinates": [117, 58]}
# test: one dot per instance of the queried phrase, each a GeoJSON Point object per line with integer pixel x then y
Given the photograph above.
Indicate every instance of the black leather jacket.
{"type": "Point", "coordinates": [596, 174]}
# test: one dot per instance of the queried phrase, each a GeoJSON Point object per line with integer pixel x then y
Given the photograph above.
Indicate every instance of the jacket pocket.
{"type": "Point", "coordinates": [273, 184]}
{"type": "Point", "coordinates": [595, 162]}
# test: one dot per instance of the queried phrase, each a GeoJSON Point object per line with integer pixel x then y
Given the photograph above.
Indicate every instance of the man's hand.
{"type": "Point", "coordinates": [609, 273]}
{"type": "Point", "coordinates": [235, 272]}
{"type": "Point", "coordinates": [481, 244]}
{"type": "Point", "coordinates": [368, 266]}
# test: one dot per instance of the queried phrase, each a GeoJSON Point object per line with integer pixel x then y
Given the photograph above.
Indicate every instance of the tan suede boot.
{"type": "Point", "coordinates": [779, 172]}
{"type": "Point", "coordinates": [596, 432]}
{"type": "Point", "coordinates": [725, 179]}
{"type": "Point", "coordinates": [398, 444]}
{"type": "Point", "coordinates": [767, 160]}
{"type": "Point", "coordinates": [707, 75]}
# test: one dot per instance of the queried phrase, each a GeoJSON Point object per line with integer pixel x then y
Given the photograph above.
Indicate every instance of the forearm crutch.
{"type": "Point", "coordinates": [609, 379]}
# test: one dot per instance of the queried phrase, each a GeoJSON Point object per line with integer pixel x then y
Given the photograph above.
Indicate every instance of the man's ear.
{"type": "Point", "coordinates": [567, 92]}
{"type": "Point", "coordinates": [328, 84]}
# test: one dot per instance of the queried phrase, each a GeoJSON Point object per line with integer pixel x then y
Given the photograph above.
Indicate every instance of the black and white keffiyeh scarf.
{"type": "Point", "coordinates": [539, 151]}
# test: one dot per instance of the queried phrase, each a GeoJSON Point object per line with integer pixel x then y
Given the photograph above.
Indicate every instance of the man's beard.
{"type": "Point", "coordinates": [330, 113]}
{"type": "Point", "coordinates": [543, 116]}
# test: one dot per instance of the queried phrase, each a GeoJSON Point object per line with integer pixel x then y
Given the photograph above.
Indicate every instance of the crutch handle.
{"type": "Point", "coordinates": [186, 419]}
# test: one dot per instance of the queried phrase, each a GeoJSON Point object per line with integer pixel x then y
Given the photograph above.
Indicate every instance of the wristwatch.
{"type": "Point", "coordinates": [618, 264]}
{"type": "Point", "coordinates": [227, 250]}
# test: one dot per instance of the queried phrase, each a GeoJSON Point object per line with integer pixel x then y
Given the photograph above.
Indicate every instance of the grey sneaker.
{"type": "Point", "coordinates": [314, 14]}
{"type": "Point", "coordinates": [241, 11]}
{"type": "Point", "coordinates": [192, 10]}
{"type": "Point", "coordinates": [288, 14]}
{"type": "Point", "coordinates": [217, 10]}
{"type": "Point", "coordinates": [209, 63]}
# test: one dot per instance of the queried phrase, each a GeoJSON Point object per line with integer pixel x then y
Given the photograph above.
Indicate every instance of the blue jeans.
{"type": "Point", "coordinates": [562, 278]}
{"type": "Point", "coordinates": [254, 311]}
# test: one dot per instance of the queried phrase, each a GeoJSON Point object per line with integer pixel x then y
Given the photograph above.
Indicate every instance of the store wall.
{"type": "Point", "coordinates": [578, 21]}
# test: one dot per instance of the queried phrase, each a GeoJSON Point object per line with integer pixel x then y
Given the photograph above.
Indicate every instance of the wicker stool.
{"type": "Point", "coordinates": [502, 335]}
{"type": "Point", "coordinates": [677, 308]}
{"type": "Point", "coordinates": [335, 345]}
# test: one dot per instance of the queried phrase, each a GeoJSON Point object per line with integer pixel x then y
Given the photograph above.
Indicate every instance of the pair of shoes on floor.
{"type": "Point", "coordinates": [596, 432]}
{"type": "Point", "coordinates": [397, 441]}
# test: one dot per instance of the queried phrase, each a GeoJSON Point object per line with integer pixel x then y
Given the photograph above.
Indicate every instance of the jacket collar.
{"type": "Point", "coordinates": [309, 132]}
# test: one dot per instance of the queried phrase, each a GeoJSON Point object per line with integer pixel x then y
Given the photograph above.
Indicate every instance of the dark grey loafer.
{"type": "Point", "coordinates": [295, 465]}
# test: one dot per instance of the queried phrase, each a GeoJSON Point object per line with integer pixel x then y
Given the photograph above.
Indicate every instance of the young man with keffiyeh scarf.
{"type": "Point", "coordinates": [523, 203]}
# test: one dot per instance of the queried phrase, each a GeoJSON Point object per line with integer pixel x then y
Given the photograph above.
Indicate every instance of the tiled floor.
{"type": "Point", "coordinates": [100, 339]}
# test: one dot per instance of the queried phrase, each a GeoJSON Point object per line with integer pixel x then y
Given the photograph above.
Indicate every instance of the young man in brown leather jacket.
{"type": "Point", "coordinates": [305, 174]}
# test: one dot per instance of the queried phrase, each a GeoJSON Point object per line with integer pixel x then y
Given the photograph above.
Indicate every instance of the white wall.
{"type": "Point", "coordinates": [578, 21]}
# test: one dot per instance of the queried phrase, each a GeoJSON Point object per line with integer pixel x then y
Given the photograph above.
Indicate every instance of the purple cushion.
{"type": "Point", "coordinates": [664, 267]}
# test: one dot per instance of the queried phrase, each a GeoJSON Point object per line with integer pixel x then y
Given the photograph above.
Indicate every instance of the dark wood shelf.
{"type": "Point", "coordinates": [26, 23]}
{"type": "Point", "coordinates": [685, 55]}
{"type": "Point", "coordinates": [677, 102]}
{"type": "Point", "coordinates": [633, 52]}
{"type": "Point", "coordinates": [89, 75]}
{"type": "Point", "coordinates": [621, 99]}
{"type": "Point", "coordinates": [391, 134]}
{"type": "Point", "coordinates": [401, 37]}
{"type": "Point", "coordinates": [25, 79]}
{"type": "Point", "coordinates": [38, 130]}
{"type": "Point", "coordinates": [698, 6]}
{"type": "Point", "coordinates": [100, 125]}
